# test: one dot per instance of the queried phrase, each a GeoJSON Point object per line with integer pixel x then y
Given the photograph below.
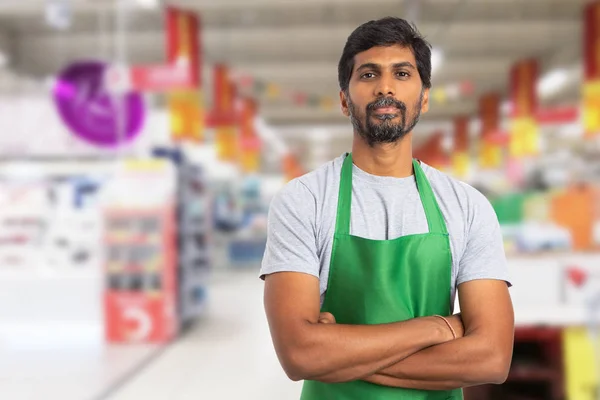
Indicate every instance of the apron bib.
{"type": "Point", "coordinates": [385, 281]}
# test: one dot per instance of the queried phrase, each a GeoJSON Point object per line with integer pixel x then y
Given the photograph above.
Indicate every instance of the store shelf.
{"type": "Point", "coordinates": [31, 275]}
{"type": "Point", "coordinates": [537, 370]}
{"type": "Point", "coordinates": [533, 374]}
{"type": "Point", "coordinates": [133, 241]}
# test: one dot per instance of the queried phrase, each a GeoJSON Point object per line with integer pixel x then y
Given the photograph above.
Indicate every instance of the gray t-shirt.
{"type": "Point", "coordinates": [302, 218]}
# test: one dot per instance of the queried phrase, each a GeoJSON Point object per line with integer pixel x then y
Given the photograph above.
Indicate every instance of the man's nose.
{"type": "Point", "coordinates": [385, 88]}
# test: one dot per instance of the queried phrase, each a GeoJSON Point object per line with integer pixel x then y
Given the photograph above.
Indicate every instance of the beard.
{"type": "Point", "coordinates": [386, 131]}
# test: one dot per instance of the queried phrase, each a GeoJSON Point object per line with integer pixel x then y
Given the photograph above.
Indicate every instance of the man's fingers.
{"type": "Point", "coordinates": [326, 318]}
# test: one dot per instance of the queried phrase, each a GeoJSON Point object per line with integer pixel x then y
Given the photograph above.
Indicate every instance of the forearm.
{"type": "Point", "coordinates": [467, 361]}
{"type": "Point", "coordinates": [392, 381]}
{"type": "Point", "coordinates": [340, 353]}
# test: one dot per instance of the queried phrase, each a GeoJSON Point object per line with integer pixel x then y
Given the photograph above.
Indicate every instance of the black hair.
{"type": "Point", "coordinates": [387, 31]}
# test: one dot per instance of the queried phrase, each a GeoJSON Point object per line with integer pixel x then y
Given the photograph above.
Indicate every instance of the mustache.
{"type": "Point", "coordinates": [386, 102]}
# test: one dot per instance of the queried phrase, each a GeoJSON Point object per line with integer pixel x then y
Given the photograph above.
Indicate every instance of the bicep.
{"type": "Point", "coordinates": [292, 302]}
{"type": "Point", "coordinates": [487, 310]}
{"type": "Point", "coordinates": [483, 256]}
{"type": "Point", "coordinates": [291, 267]}
{"type": "Point", "coordinates": [291, 233]}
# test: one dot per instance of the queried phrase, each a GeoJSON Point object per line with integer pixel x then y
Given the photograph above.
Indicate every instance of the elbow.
{"type": "Point", "coordinates": [297, 364]}
{"type": "Point", "coordinates": [300, 365]}
{"type": "Point", "coordinates": [498, 369]}
{"type": "Point", "coordinates": [298, 355]}
{"type": "Point", "coordinates": [294, 368]}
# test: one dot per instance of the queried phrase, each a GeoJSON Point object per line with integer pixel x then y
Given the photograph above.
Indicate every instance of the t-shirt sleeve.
{"type": "Point", "coordinates": [291, 232]}
{"type": "Point", "coordinates": [483, 256]}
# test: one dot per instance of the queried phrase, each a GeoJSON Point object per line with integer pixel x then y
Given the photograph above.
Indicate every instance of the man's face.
{"type": "Point", "coordinates": [385, 97]}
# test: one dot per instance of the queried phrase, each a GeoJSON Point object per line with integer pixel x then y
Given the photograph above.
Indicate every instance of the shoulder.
{"type": "Point", "coordinates": [323, 176]}
{"type": "Point", "coordinates": [319, 186]}
{"type": "Point", "coordinates": [466, 210]}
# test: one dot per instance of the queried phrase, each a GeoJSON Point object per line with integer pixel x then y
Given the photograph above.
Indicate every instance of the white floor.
{"type": "Point", "coordinates": [69, 374]}
{"type": "Point", "coordinates": [229, 355]}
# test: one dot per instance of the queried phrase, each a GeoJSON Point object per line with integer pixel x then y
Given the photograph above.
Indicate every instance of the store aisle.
{"type": "Point", "coordinates": [229, 355]}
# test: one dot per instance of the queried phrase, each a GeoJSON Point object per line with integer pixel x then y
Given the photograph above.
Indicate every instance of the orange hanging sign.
{"type": "Point", "coordinates": [490, 153]}
{"type": "Point", "coordinates": [524, 132]}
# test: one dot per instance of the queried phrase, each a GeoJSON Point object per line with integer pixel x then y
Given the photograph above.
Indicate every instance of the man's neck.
{"type": "Point", "coordinates": [388, 159]}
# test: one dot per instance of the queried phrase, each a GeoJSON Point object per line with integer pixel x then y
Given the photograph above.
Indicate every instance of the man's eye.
{"type": "Point", "coordinates": [368, 75]}
{"type": "Point", "coordinates": [403, 74]}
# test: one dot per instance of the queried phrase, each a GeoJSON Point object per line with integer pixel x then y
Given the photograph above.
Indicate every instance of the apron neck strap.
{"type": "Point", "coordinates": [435, 220]}
{"type": "Point", "coordinates": [342, 225]}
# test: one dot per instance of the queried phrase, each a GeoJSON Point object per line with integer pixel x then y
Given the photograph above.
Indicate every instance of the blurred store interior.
{"type": "Point", "coordinates": [141, 142]}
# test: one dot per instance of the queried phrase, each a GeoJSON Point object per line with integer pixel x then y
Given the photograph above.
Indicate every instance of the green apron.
{"type": "Point", "coordinates": [384, 281]}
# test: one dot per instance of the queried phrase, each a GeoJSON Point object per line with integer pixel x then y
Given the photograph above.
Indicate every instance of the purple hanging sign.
{"type": "Point", "coordinates": [91, 112]}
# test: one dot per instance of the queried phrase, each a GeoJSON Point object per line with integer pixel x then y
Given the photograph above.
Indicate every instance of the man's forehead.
{"type": "Point", "coordinates": [385, 56]}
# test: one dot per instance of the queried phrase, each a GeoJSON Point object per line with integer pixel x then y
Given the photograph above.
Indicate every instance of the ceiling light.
{"type": "Point", "coordinates": [148, 4]}
{"type": "Point", "coordinates": [553, 82]}
{"type": "Point", "coordinates": [3, 59]}
{"type": "Point", "coordinates": [437, 57]}
{"type": "Point", "coordinates": [506, 107]}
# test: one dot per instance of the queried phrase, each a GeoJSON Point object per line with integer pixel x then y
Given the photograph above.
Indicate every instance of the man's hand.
{"type": "Point", "coordinates": [326, 318]}
{"type": "Point", "coordinates": [457, 324]}
{"type": "Point", "coordinates": [481, 356]}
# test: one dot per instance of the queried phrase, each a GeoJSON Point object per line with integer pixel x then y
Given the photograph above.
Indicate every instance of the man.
{"type": "Point", "coordinates": [364, 254]}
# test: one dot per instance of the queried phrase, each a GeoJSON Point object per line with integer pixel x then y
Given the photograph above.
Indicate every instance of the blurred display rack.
{"type": "Point", "coordinates": [194, 235]}
{"type": "Point", "coordinates": [47, 272]}
{"type": "Point", "coordinates": [141, 274]}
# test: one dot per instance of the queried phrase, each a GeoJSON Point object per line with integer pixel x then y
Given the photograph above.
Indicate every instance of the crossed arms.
{"type": "Point", "coordinates": [416, 354]}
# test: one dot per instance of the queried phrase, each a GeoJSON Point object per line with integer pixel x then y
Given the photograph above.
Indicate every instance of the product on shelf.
{"type": "Point", "coordinates": [578, 210]}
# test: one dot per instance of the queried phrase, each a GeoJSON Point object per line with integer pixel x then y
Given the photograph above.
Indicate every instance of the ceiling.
{"type": "Point", "coordinates": [297, 44]}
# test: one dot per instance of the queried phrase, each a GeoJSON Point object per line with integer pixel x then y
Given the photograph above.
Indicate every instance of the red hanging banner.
{"type": "Point", "coordinates": [250, 144]}
{"type": "Point", "coordinates": [524, 132]}
{"type": "Point", "coordinates": [460, 154]}
{"type": "Point", "coordinates": [183, 52]}
{"type": "Point", "coordinates": [490, 152]}
{"type": "Point", "coordinates": [432, 152]}
{"type": "Point", "coordinates": [523, 85]}
{"type": "Point", "coordinates": [291, 167]}
{"type": "Point", "coordinates": [224, 115]}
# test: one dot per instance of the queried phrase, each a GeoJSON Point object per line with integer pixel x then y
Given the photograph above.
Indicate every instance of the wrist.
{"type": "Point", "coordinates": [448, 324]}
{"type": "Point", "coordinates": [441, 331]}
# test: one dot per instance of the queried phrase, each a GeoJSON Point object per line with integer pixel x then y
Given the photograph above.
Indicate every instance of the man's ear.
{"type": "Point", "coordinates": [344, 103]}
{"type": "Point", "coordinates": [425, 102]}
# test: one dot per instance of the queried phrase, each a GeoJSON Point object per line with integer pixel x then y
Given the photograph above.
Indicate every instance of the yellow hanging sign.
{"type": "Point", "coordinates": [273, 91]}
{"type": "Point", "coordinates": [591, 108]}
{"type": "Point", "coordinates": [186, 116]}
{"type": "Point", "coordinates": [327, 103]}
{"type": "Point", "coordinates": [490, 155]}
{"type": "Point", "coordinates": [524, 137]}
{"type": "Point", "coordinates": [250, 161]}
{"type": "Point", "coordinates": [439, 95]}
{"type": "Point", "coordinates": [226, 140]}
{"type": "Point", "coordinates": [460, 164]}
{"type": "Point", "coordinates": [579, 362]}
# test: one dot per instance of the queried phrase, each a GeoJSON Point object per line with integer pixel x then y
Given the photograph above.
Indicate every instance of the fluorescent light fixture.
{"type": "Point", "coordinates": [453, 91]}
{"type": "Point", "coordinates": [553, 82]}
{"type": "Point", "coordinates": [437, 57]}
{"type": "Point", "coordinates": [3, 59]}
{"type": "Point", "coordinates": [506, 107]}
{"type": "Point", "coordinates": [148, 4]}
{"type": "Point", "coordinates": [447, 142]}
